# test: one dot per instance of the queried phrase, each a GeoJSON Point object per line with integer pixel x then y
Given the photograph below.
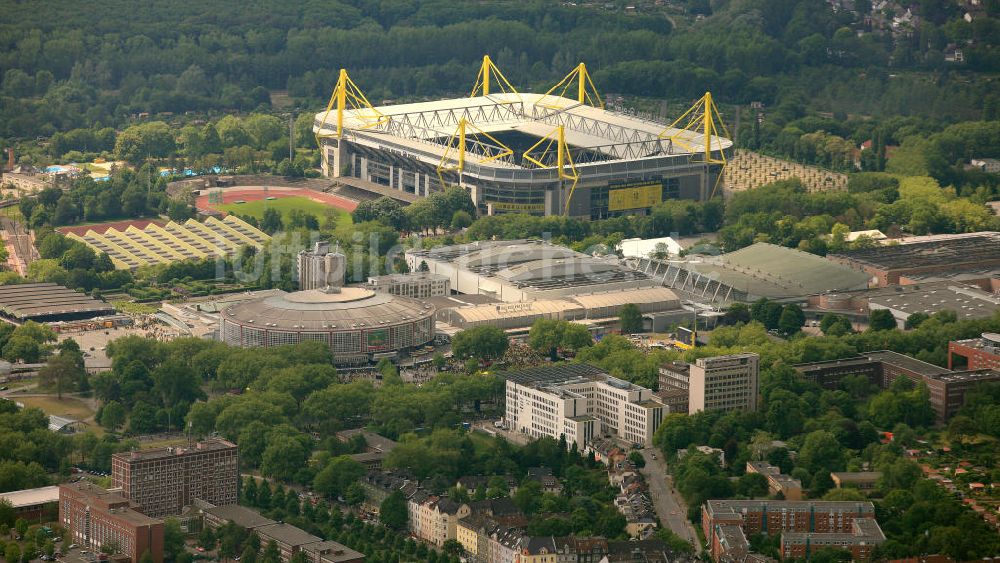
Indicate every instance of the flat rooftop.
{"type": "Point", "coordinates": [32, 497]}
{"type": "Point", "coordinates": [967, 301]}
{"type": "Point", "coordinates": [553, 374]}
{"type": "Point", "coordinates": [160, 453]}
{"type": "Point", "coordinates": [240, 515]}
{"type": "Point", "coordinates": [36, 300]}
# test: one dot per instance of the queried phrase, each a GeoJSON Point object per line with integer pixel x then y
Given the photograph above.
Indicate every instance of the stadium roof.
{"type": "Point", "coordinates": [776, 272]}
{"type": "Point", "coordinates": [315, 309]}
{"type": "Point", "coordinates": [589, 127]}
{"type": "Point", "coordinates": [40, 301]}
{"type": "Point", "coordinates": [156, 244]}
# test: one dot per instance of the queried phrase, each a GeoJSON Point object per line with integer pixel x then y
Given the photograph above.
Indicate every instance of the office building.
{"type": "Point", "coordinates": [97, 519]}
{"type": "Point", "coordinates": [724, 383]}
{"type": "Point", "coordinates": [418, 285]}
{"type": "Point", "coordinates": [163, 481]}
{"type": "Point", "coordinates": [320, 267]}
{"type": "Point", "coordinates": [947, 388]}
{"type": "Point", "coordinates": [976, 353]}
{"type": "Point", "coordinates": [580, 402]}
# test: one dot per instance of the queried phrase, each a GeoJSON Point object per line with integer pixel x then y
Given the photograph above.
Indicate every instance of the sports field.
{"type": "Point", "coordinates": [285, 205]}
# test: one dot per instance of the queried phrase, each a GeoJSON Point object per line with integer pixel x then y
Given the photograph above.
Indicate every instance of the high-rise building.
{"type": "Point", "coordinates": [101, 520]}
{"type": "Point", "coordinates": [163, 481]}
{"type": "Point", "coordinates": [724, 383]}
{"type": "Point", "coordinates": [580, 402]}
{"type": "Point", "coordinates": [320, 267]}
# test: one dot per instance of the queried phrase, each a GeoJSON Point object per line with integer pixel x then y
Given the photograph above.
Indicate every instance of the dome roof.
{"type": "Point", "coordinates": [319, 309]}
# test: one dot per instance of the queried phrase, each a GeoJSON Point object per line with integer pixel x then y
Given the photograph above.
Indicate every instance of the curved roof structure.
{"type": "Point", "coordinates": [317, 309]}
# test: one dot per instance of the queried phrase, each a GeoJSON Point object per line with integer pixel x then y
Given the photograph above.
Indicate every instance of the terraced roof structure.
{"type": "Point", "coordinates": [155, 244]}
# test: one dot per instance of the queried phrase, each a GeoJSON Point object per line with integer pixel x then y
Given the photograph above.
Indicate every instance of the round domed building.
{"type": "Point", "coordinates": [359, 325]}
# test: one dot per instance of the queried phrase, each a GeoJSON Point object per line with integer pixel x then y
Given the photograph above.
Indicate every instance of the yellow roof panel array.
{"type": "Point", "coordinates": [155, 244]}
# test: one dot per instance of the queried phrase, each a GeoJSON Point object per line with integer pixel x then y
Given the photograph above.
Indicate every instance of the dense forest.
{"type": "Point", "coordinates": [64, 69]}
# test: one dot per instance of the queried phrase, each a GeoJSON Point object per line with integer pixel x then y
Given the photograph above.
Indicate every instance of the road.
{"type": "Point", "coordinates": [668, 503]}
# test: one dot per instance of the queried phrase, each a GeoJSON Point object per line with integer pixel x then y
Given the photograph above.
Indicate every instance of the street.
{"type": "Point", "coordinates": [669, 505]}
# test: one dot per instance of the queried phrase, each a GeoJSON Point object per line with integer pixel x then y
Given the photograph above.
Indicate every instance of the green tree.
{"type": "Point", "coordinates": [112, 415]}
{"type": "Point", "coordinates": [630, 318]}
{"type": "Point", "coordinates": [482, 342]}
{"type": "Point", "coordinates": [393, 512]}
{"type": "Point", "coordinates": [173, 539]}
{"type": "Point", "coordinates": [792, 319]}
{"type": "Point", "coordinates": [334, 479]}
{"type": "Point", "coordinates": [61, 373]}
{"type": "Point", "coordinates": [881, 319]}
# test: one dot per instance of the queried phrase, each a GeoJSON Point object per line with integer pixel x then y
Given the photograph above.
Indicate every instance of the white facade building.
{"type": "Point", "coordinates": [580, 402]}
{"type": "Point", "coordinates": [724, 383]}
{"type": "Point", "coordinates": [649, 248]}
{"type": "Point", "coordinates": [419, 285]}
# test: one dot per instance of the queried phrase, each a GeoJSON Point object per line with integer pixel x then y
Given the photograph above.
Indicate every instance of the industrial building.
{"type": "Point", "coordinates": [320, 267]}
{"type": "Point", "coordinates": [418, 285]}
{"type": "Point", "coordinates": [723, 383]}
{"type": "Point", "coordinates": [96, 518]}
{"type": "Point", "coordinates": [32, 504]}
{"type": "Point", "coordinates": [947, 388]}
{"type": "Point", "coordinates": [910, 261]}
{"type": "Point", "coordinates": [965, 300]}
{"type": "Point", "coordinates": [976, 353]}
{"type": "Point", "coordinates": [748, 274]}
{"type": "Point", "coordinates": [162, 481]}
{"type": "Point", "coordinates": [161, 244]}
{"type": "Point", "coordinates": [48, 302]}
{"type": "Point", "coordinates": [580, 402]}
{"type": "Point", "coordinates": [524, 152]}
{"type": "Point", "coordinates": [357, 324]}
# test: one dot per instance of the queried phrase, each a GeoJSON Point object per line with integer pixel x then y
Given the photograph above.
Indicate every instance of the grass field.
{"type": "Point", "coordinates": [68, 407]}
{"type": "Point", "coordinates": [285, 205]}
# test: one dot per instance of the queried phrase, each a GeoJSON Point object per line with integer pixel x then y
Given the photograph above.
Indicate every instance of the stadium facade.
{"type": "Point", "coordinates": [523, 153]}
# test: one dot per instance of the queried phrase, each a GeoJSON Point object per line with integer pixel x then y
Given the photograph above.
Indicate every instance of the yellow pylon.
{"type": "Point", "coordinates": [586, 92]}
{"type": "Point", "coordinates": [347, 95]}
{"type": "Point", "coordinates": [564, 160]}
{"type": "Point", "coordinates": [453, 159]}
{"type": "Point", "coordinates": [487, 71]}
{"type": "Point", "coordinates": [701, 119]}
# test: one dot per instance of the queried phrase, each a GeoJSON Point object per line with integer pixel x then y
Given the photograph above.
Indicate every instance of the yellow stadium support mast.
{"type": "Point", "coordinates": [586, 92]}
{"type": "Point", "coordinates": [564, 160]}
{"type": "Point", "coordinates": [489, 75]}
{"type": "Point", "coordinates": [453, 159]}
{"type": "Point", "coordinates": [705, 123]}
{"type": "Point", "coordinates": [347, 96]}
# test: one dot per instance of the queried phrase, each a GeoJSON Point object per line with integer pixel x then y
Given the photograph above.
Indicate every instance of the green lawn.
{"type": "Point", "coordinates": [285, 205]}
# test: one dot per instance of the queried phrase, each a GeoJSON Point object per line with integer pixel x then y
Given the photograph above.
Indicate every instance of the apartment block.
{"type": "Point", "coordinates": [97, 519]}
{"type": "Point", "coordinates": [804, 526]}
{"type": "Point", "coordinates": [320, 267]}
{"type": "Point", "coordinates": [775, 516]}
{"type": "Point", "coordinates": [580, 402]}
{"type": "Point", "coordinates": [163, 481]}
{"type": "Point", "coordinates": [724, 383]}
{"type": "Point", "coordinates": [861, 480]}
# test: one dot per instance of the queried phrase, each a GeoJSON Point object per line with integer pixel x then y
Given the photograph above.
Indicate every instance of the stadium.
{"type": "Point", "coordinates": [357, 324]}
{"type": "Point", "coordinates": [524, 152]}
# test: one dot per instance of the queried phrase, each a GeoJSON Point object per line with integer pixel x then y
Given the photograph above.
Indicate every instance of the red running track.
{"type": "Point", "coordinates": [231, 195]}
